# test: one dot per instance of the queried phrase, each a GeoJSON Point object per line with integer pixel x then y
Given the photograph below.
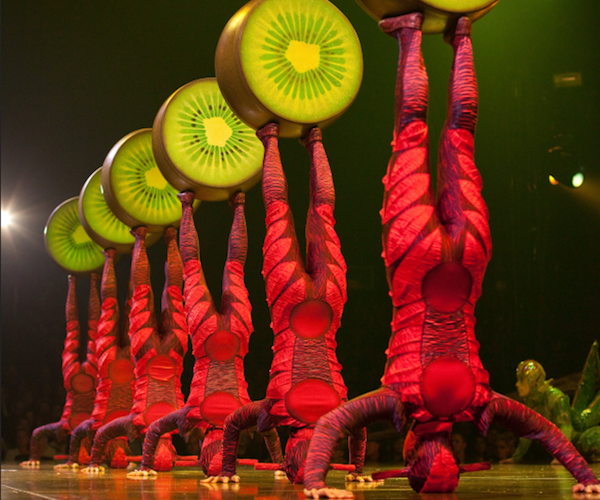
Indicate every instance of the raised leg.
{"type": "Point", "coordinates": [460, 203]}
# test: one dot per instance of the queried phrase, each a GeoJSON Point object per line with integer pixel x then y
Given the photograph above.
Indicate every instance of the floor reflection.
{"type": "Point", "coordinates": [501, 482]}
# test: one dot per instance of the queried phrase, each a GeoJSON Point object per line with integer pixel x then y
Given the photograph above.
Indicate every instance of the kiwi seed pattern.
{"type": "Point", "coordinates": [68, 243]}
{"type": "Point", "coordinates": [99, 216]}
{"type": "Point", "coordinates": [215, 147]}
{"type": "Point", "coordinates": [308, 60]}
{"type": "Point", "coordinates": [139, 186]}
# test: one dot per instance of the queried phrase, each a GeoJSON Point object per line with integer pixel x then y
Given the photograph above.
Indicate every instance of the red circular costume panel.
{"type": "Point", "coordinates": [446, 288]}
{"type": "Point", "coordinates": [311, 319]}
{"type": "Point", "coordinates": [113, 415]}
{"type": "Point", "coordinates": [310, 399]}
{"type": "Point", "coordinates": [120, 371]}
{"type": "Point", "coordinates": [161, 367]}
{"type": "Point", "coordinates": [448, 386]}
{"type": "Point", "coordinates": [216, 407]}
{"type": "Point", "coordinates": [156, 411]}
{"type": "Point", "coordinates": [222, 346]}
{"type": "Point", "coordinates": [82, 382]}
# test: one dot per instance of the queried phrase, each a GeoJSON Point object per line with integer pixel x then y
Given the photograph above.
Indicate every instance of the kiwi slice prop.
{"type": "Point", "coordinates": [200, 145]}
{"type": "Point", "coordinates": [438, 15]}
{"type": "Point", "coordinates": [134, 187]}
{"type": "Point", "coordinates": [101, 223]}
{"type": "Point", "coordinates": [294, 62]}
{"type": "Point", "coordinates": [68, 243]}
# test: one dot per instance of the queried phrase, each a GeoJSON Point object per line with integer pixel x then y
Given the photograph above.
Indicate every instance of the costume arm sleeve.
{"type": "Point", "coordinates": [79, 433]}
{"type": "Point", "coordinates": [531, 425]}
{"type": "Point", "coordinates": [118, 427]}
{"type": "Point", "coordinates": [347, 419]}
{"type": "Point", "coordinates": [163, 425]}
{"type": "Point", "coordinates": [47, 431]}
{"type": "Point", "coordinates": [243, 418]}
{"type": "Point", "coordinates": [357, 444]}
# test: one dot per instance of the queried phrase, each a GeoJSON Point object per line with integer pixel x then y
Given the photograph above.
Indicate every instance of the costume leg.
{"type": "Point", "coordinates": [281, 253]}
{"type": "Point", "coordinates": [408, 200]}
{"type": "Point", "coordinates": [324, 260]}
{"type": "Point", "coordinates": [382, 404]}
{"type": "Point", "coordinates": [460, 203]}
{"type": "Point", "coordinates": [531, 425]}
{"type": "Point", "coordinates": [93, 318]}
{"type": "Point", "coordinates": [296, 450]}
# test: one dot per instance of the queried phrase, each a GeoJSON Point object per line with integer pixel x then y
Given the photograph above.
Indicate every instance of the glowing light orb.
{"type": "Point", "coordinates": [552, 180]}
{"type": "Point", "coordinates": [6, 218]}
{"type": "Point", "coordinates": [577, 180]}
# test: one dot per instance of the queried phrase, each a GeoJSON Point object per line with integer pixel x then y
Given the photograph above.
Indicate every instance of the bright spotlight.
{"type": "Point", "coordinates": [577, 180]}
{"type": "Point", "coordinates": [6, 218]}
{"type": "Point", "coordinates": [553, 180]}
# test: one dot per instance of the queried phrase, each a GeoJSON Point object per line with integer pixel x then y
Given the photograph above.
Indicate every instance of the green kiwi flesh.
{"type": "Point", "coordinates": [439, 15]}
{"type": "Point", "coordinates": [294, 62]}
{"type": "Point", "coordinates": [200, 145]}
{"type": "Point", "coordinates": [134, 187]}
{"type": "Point", "coordinates": [68, 243]}
{"type": "Point", "coordinates": [101, 223]}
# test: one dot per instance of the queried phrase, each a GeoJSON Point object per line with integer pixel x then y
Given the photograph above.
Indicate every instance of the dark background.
{"type": "Point", "coordinates": [78, 76]}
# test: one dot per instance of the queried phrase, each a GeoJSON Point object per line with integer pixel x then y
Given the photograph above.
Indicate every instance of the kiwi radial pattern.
{"type": "Point", "coordinates": [297, 63]}
{"type": "Point", "coordinates": [68, 243]}
{"type": "Point", "coordinates": [200, 145]}
{"type": "Point", "coordinates": [100, 223]}
{"type": "Point", "coordinates": [134, 187]}
{"type": "Point", "coordinates": [438, 15]}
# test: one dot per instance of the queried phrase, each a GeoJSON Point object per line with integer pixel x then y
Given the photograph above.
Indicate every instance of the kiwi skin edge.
{"type": "Point", "coordinates": [179, 180]}
{"type": "Point", "coordinates": [236, 90]}
{"type": "Point", "coordinates": [435, 20]}
{"type": "Point", "coordinates": [81, 274]}
{"type": "Point", "coordinates": [120, 248]}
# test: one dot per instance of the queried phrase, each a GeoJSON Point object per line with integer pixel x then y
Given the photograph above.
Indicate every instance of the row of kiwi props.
{"type": "Point", "coordinates": [294, 62]}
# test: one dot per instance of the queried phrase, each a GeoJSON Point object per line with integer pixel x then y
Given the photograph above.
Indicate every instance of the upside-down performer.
{"type": "Point", "coordinates": [219, 342]}
{"type": "Point", "coordinates": [116, 381]}
{"type": "Point", "coordinates": [80, 379]}
{"type": "Point", "coordinates": [435, 254]}
{"type": "Point", "coordinates": [157, 351]}
{"type": "Point", "coordinates": [306, 304]}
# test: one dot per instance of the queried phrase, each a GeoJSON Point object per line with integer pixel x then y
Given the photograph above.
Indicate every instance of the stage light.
{"type": "Point", "coordinates": [577, 180]}
{"type": "Point", "coordinates": [6, 218]}
{"type": "Point", "coordinates": [552, 180]}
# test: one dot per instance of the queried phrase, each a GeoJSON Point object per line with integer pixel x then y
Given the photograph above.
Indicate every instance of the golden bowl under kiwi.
{"type": "Point", "coordinates": [297, 63]}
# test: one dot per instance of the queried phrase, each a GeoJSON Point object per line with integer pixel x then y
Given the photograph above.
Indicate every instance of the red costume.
{"type": "Point", "coordinates": [219, 343]}
{"type": "Point", "coordinates": [80, 379]}
{"type": "Point", "coordinates": [157, 350]}
{"type": "Point", "coordinates": [306, 304]}
{"type": "Point", "coordinates": [435, 255]}
{"type": "Point", "coordinates": [116, 382]}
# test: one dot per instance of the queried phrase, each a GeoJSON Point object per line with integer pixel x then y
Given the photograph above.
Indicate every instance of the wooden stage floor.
{"type": "Point", "coordinates": [501, 482]}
